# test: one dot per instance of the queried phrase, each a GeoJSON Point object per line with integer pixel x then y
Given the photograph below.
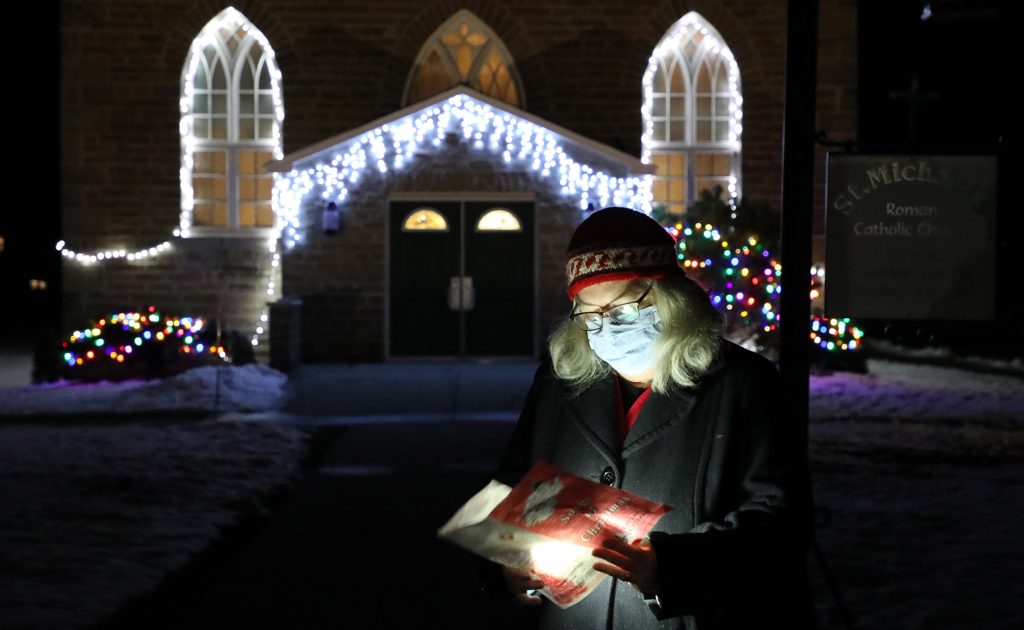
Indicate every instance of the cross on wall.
{"type": "Point", "coordinates": [914, 97]}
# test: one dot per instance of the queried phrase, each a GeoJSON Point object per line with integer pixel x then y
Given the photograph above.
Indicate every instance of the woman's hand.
{"type": "Point", "coordinates": [635, 563]}
{"type": "Point", "coordinates": [519, 581]}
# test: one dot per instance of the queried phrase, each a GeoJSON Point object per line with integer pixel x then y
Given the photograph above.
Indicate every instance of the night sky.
{"type": "Point", "coordinates": [30, 218]}
{"type": "Point", "coordinates": [960, 57]}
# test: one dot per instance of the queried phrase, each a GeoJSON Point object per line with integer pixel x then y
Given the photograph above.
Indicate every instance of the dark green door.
{"type": "Point", "coordinates": [425, 243]}
{"type": "Point", "coordinates": [461, 279]}
{"type": "Point", "coordinates": [499, 259]}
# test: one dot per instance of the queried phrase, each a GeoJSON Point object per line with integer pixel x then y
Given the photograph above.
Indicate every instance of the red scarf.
{"type": "Point", "coordinates": [627, 418]}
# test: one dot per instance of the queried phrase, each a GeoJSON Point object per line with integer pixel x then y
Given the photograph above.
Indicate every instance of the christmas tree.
{"type": "Point", "coordinates": [730, 250]}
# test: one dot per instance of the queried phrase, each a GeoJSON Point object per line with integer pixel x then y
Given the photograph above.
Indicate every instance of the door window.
{"type": "Point", "coordinates": [499, 220]}
{"type": "Point", "coordinates": [424, 220]}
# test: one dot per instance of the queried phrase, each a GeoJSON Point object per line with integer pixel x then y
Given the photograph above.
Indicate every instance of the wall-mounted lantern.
{"type": "Point", "coordinates": [331, 218]}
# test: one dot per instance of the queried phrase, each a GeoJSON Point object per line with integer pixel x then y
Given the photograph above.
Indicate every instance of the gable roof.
{"type": "Point", "coordinates": [583, 148]}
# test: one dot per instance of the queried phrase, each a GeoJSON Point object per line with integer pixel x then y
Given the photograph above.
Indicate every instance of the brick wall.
{"type": "Point", "coordinates": [346, 63]}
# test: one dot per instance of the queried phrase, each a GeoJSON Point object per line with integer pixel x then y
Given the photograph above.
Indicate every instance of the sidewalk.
{"type": "Point", "coordinates": [397, 449]}
{"type": "Point", "coordinates": [328, 394]}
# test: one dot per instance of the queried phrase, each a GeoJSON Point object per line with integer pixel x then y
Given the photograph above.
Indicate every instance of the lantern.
{"type": "Point", "coordinates": [331, 218]}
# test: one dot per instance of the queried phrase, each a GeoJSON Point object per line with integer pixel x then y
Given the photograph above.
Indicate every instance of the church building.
{"type": "Point", "coordinates": [352, 181]}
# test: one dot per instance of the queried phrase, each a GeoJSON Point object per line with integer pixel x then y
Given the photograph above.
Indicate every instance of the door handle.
{"type": "Point", "coordinates": [461, 295]}
{"type": "Point", "coordinates": [454, 293]}
{"type": "Point", "coordinates": [468, 293]}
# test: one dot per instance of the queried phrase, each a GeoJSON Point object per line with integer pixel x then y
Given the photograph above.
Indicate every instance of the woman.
{"type": "Point", "coordinates": [641, 392]}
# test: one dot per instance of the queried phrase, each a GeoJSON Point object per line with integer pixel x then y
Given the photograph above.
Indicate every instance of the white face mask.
{"type": "Point", "coordinates": [628, 348]}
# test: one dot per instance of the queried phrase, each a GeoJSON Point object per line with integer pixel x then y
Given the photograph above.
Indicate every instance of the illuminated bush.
{"type": "Point", "coordinates": [146, 344]}
{"type": "Point", "coordinates": [728, 250]}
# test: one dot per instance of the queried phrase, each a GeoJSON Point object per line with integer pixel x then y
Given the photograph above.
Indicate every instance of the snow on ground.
{"type": "Point", "coordinates": [95, 513]}
{"type": "Point", "coordinates": [920, 466]}
{"type": "Point", "coordinates": [250, 387]}
{"type": "Point", "coordinates": [922, 470]}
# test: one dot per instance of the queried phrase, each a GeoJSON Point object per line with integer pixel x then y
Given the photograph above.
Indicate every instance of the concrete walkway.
{"type": "Point", "coordinates": [397, 449]}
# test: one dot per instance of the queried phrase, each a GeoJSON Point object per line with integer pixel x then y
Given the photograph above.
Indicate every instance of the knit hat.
{"type": "Point", "coordinates": [618, 244]}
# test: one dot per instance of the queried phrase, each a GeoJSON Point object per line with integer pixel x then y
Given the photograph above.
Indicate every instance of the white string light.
{"type": "Point", "coordinates": [685, 30]}
{"type": "Point", "coordinates": [231, 20]}
{"type": "Point", "coordinates": [392, 145]}
{"type": "Point", "coordinates": [111, 254]}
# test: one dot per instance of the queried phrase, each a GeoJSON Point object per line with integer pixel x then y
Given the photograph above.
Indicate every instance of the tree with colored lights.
{"type": "Point", "coordinates": [730, 250]}
{"type": "Point", "coordinates": [729, 258]}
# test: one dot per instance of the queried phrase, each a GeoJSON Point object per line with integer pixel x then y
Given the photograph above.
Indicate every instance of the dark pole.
{"type": "Point", "coordinates": [797, 203]}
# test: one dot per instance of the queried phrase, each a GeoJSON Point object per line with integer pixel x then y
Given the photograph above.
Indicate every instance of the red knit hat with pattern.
{"type": "Point", "coordinates": [618, 244]}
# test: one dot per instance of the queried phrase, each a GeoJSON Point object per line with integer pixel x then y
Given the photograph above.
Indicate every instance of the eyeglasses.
{"type": "Point", "coordinates": [593, 321]}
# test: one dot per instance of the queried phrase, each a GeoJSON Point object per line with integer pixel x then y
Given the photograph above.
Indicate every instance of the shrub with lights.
{"type": "Point", "coordinates": [728, 250]}
{"type": "Point", "coordinates": [140, 344]}
{"type": "Point", "coordinates": [830, 333]}
{"type": "Point", "coordinates": [741, 276]}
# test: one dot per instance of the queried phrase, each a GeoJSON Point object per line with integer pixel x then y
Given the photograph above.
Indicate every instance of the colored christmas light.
{"type": "Point", "coordinates": [746, 286]}
{"type": "Point", "coordinates": [835, 334]}
{"type": "Point", "coordinates": [128, 336]}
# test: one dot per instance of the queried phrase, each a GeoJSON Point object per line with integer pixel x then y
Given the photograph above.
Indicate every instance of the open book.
{"type": "Point", "coordinates": [549, 523]}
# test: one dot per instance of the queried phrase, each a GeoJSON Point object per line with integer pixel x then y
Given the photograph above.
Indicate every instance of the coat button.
{"type": "Point", "coordinates": [608, 476]}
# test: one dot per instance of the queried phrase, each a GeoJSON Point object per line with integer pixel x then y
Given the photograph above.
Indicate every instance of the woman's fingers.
{"type": "Point", "coordinates": [618, 545]}
{"type": "Point", "coordinates": [613, 557]}
{"type": "Point", "coordinates": [635, 563]}
{"type": "Point", "coordinates": [614, 571]}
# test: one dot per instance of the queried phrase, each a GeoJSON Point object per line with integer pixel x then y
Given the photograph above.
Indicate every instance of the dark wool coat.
{"type": "Point", "coordinates": [731, 463]}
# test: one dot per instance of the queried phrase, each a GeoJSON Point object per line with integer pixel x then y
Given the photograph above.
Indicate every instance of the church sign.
{"type": "Point", "coordinates": [911, 237]}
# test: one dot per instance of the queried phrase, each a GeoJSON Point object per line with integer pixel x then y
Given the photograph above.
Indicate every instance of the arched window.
{"type": "Point", "coordinates": [231, 115]}
{"type": "Point", "coordinates": [424, 220]}
{"type": "Point", "coordinates": [692, 112]}
{"type": "Point", "coordinates": [464, 51]}
{"type": "Point", "coordinates": [499, 220]}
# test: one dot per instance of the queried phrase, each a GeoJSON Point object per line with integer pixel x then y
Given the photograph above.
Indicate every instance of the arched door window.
{"type": "Point", "coordinates": [464, 51]}
{"type": "Point", "coordinates": [231, 115]}
{"type": "Point", "coordinates": [692, 115]}
{"type": "Point", "coordinates": [499, 220]}
{"type": "Point", "coordinates": [424, 220]}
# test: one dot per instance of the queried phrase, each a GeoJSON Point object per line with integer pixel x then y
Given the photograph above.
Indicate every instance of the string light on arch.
{"type": "Point", "coordinates": [231, 20]}
{"type": "Point", "coordinates": [709, 44]}
{"type": "Point", "coordinates": [391, 146]}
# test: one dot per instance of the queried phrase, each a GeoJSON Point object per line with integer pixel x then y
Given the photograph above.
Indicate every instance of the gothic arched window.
{"type": "Point", "coordinates": [464, 51]}
{"type": "Point", "coordinates": [231, 115]}
{"type": "Point", "coordinates": [692, 112]}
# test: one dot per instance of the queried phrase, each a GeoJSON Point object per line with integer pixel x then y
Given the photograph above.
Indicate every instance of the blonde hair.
{"type": "Point", "coordinates": [689, 341]}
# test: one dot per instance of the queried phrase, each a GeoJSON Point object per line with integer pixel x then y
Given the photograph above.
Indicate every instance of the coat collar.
{"type": "Point", "coordinates": [660, 413]}
{"type": "Point", "coordinates": [595, 411]}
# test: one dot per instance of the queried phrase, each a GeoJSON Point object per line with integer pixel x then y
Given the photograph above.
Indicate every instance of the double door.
{"type": "Point", "coordinates": [461, 279]}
